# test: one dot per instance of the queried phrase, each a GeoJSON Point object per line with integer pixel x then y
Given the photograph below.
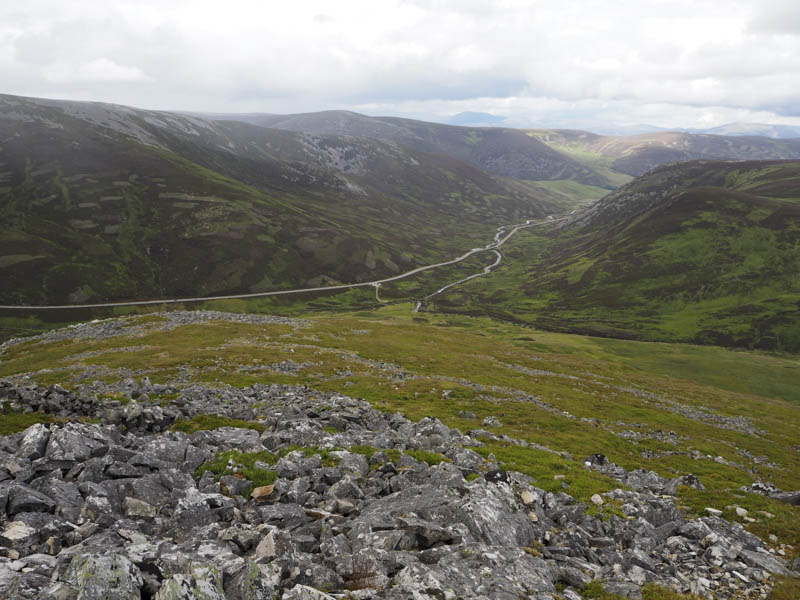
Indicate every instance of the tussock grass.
{"type": "Point", "coordinates": [441, 365]}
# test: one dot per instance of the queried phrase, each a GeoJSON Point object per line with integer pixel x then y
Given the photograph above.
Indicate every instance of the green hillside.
{"type": "Point", "coordinates": [100, 202]}
{"type": "Point", "coordinates": [700, 252]}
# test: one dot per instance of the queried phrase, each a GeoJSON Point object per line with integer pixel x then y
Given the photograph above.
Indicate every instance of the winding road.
{"type": "Point", "coordinates": [500, 238]}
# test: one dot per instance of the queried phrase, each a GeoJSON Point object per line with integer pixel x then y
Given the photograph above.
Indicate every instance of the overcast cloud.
{"type": "Point", "coordinates": [577, 63]}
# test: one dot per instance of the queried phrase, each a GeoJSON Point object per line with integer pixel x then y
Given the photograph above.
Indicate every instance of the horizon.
{"type": "Point", "coordinates": [453, 120]}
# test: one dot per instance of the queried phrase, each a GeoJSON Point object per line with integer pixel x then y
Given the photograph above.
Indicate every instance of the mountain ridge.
{"type": "Point", "coordinates": [102, 202]}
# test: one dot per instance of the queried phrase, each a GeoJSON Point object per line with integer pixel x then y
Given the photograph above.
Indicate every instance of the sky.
{"type": "Point", "coordinates": [567, 63]}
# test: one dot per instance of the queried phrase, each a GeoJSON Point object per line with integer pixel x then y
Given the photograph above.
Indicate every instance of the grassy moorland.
{"type": "Point", "coordinates": [699, 252]}
{"type": "Point", "coordinates": [730, 417]}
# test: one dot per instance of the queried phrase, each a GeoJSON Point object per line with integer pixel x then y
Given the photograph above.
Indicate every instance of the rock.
{"type": "Point", "coordinates": [235, 486]}
{"type": "Point", "coordinates": [106, 576]}
{"type": "Point", "coordinates": [251, 583]}
{"type": "Point", "coordinates": [713, 512]}
{"type": "Point", "coordinates": [262, 492]}
{"type": "Point", "coordinates": [17, 535]}
{"type": "Point", "coordinates": [365, 528]}
{"type": "Point", "coordinates": [76, 442]}
{"type": "Point", "coordinates": [204, 582]}
{"type": "Point", "coordinates": [763, 560]}
{"type": "Point", "coordinates": [138, 508]}
{"type": "Point", "coordinates": [23, 498]}
{"type": "Point", "coordinates": [303, 592]}
{"type": "Point", "coordinates": [34, 441]}
{"type": "Point", "coordinates": [740, 512]}
{"type": "Point", "coordinates": [491, 422]}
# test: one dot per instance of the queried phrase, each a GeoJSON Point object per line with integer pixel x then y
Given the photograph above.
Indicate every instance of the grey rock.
{"type": "Point", "coordinates": [304, 592]}
{"type": "Point", "coordinates": [251, 583]}
{"type": "Point", "coordinates": [34, 442]}
{"type": "Point", "coordinates": [203, 581]}
{"type": "Point", "coordinates": [107, 576]}
{"type": "Point", "coordinates": [23, 498]}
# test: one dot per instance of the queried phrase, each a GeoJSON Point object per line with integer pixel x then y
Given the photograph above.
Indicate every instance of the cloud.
{"type": "Point", "coordinates": [691, 58]}
{"type": "Point", "coordinates": [777, 17]}
{"type": "Point", "coordinates": [99, 70]}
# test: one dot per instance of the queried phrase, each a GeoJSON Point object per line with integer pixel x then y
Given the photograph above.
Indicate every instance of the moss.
{"type": "Point", "coordinates": [651, 591]}
{"type": "Point", "coordinates": [14, 422]}
{"type": "Point", "coordinates": [207, 422]}
{"type": "Point", "coordinates": [233, 462]}
{"type": "Point", "coordinates": [786, 588]}
{"type": "Point", "coordinates": [595, 591]}
{"type": "Point", "coordinates": [430, 458]}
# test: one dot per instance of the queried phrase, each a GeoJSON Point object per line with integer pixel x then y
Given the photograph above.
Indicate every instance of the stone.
{"type": "Point", "coordinates": [107, 576]}
{"type": "Point", "coordinates": [134, 508]}
{"type": "Point", "coordinates": [250, 583]}
{"type": "Point", "coordinates": [204, 582]}
{"type": "Point", "coordinates": [303, 592]}
{"type": "Point", "coordinates": [714, 512]}
{"type": "Point", "coordinates": [23, 498]}
{"type": "Point", "coordinates": [363, 528]}
{"type": "Point", "coordinates": [262, 492]}
{"type": "Point", "coordinates": [491, 422]}
{"type": "Point", "coordinates": [597, 500]}
{"type": "Point", "coordinates": [763, 560]}
{"type": "Point", "coordinates": [18, 535]}
{"type": "Point", "coordinates": [34, 441]}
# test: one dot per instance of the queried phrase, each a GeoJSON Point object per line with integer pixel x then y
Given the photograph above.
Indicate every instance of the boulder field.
{"type": "Point", "coordinates": [325, 498]}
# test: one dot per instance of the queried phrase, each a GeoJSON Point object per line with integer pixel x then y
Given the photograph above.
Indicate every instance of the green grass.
{"type": "Point", "coordinates": [708, 265]}
{"type": "Point", "coordinates": [14, 422]}
{"type": "Point", "coordinates": [429, 458]}
{"type": "Point", "coordinates": [650, 591]}
{"type": "Point", "coordinates": [786, 588]}
{"type": "Point", "coordinates": [233, 462]}
{"type": "Point", "coordinates": [207, 422]}
{"type": "Point", "coordinates": [452, 363]}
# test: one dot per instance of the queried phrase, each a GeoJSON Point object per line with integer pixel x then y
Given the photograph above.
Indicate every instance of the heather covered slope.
{"type": "Point", "coordinates": [104, 202]}
{"type": "Point", "coordinates": [541, 154]}
{"type": "Point", "coordinates": [500, 151]}
{"type": "Point", "coordinates": [706, 252]}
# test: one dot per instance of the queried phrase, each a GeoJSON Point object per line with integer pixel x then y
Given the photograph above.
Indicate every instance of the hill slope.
{"type": "Point", "coordinates": [706, 252]}
{"type": "Point", "coordinates": [635, 155]}
{"type": "Point", "coordinates": [102, 202]}
{"type": "Point", "coordinates": [541, 154]}
{"type": "Point", "coordinates": [500, 151]}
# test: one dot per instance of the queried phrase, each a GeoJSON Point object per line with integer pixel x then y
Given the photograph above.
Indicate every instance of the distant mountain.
{"type": "Point", "coordinates": [102, 202]}
{"type": "Point", "coordinates": [703, 252]}
{"type": "Point", "coordinates": [638, 154]}
{"type": "Point", "coordinates": [603, 161]}
{"type": "Point", "coordinates": [756, 129]}
{"type": "Point", "coordinates": [501, 151]}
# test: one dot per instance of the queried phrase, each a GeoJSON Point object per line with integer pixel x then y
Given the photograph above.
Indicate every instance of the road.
{"type": "Point", "coordinates": [498, 241]}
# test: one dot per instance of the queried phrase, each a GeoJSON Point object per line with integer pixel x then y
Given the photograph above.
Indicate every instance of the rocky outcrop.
{"type": "Point", "coordinates": [361, 504]}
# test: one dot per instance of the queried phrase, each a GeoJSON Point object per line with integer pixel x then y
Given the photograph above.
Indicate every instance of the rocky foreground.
{"type": "Point", "coordinates": [363, 504]}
